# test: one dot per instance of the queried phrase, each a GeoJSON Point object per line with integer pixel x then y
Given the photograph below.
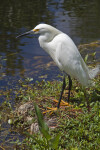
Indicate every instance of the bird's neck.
{"type": "Point", "coordinates": [49, 36]}
{"type": "Point", "coordinates": [45, 38]}
{"type": "Point", "coordinates": [48, 49]}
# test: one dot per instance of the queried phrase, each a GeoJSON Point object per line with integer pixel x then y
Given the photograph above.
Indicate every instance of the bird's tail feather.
{"type": "Point", "coordinates": [94, 72]}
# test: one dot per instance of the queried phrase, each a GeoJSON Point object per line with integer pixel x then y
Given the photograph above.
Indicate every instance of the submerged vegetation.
{"type": "Point", "coordinates": [69, 128]}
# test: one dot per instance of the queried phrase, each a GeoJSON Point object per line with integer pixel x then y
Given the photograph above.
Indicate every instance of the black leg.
{"type": "Point", "coordinates": [63, 87]}
{"type": "Point", "coordinates": [70, 86]}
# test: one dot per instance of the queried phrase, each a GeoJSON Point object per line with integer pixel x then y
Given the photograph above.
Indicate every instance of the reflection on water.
{"type": "Point", "coordinates": [79, 19]}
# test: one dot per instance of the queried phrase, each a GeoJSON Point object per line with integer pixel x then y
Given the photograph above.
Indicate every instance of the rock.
{"type": "Point", "coordinates": [28, 118]}
{"type": "Point", "coordinates": [52, 124]}
{"type": "Point", "coordinates": [24, 111]}
{"type": "Point", "coordinates": [34, 128]}
{"type": "Point", "coordinates": [25, 108]}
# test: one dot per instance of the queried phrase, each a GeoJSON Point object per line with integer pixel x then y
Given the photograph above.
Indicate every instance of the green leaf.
{"type": "Point", "coordinates": [39, 115]}
{"type": "Point", "coordinates": [86, 58]}
{"type": "Point", "coordinates": [45, 133]}
{"type": "Point", "coordinates": [75, 148]}
{"type": "Point", "coordinates": [93, 54]}
{"type": "Point", "coordinates": [55, 142]}
{"type": "Point", "coordinates": [44, 129]}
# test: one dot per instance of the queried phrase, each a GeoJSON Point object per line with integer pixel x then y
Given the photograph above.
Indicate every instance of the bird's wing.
{"type": "Point", "coordinates": [71, 61]}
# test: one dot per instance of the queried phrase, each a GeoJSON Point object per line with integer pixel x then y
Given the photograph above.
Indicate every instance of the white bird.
{"type": "Point", "coordinates": [65, 54]}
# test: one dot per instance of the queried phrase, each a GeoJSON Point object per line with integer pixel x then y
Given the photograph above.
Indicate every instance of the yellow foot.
{"type": "Point", "coordinates": [50, 110]}
{"type": "Point", "coordinates": [62, 103]}
{"type": "Point", "coordinates": [54, 109]}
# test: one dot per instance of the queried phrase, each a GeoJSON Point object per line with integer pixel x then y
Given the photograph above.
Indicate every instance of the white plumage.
{"type": "Point", "coordinates": [64, 53]}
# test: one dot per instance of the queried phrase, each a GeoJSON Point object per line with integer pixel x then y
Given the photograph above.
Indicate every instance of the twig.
{"type": "Point", "coordinates": [2, 147]}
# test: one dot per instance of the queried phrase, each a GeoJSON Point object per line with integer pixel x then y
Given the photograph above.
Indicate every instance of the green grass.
{"type": "Point", "coordinates": [81, 132]}
{"type": "Point", "coordinates": [77, 129]}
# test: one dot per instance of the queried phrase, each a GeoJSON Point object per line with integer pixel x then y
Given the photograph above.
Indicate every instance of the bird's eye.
{"type": "Point", "coordinates": [35, 30]}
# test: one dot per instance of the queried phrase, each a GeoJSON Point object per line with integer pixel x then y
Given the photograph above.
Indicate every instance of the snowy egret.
{"type": "Point", "coordinates": [65, 54]}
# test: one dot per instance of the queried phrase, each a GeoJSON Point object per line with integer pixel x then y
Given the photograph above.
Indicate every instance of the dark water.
{"type": "Point", "coordinates": [20, 58]}
{"type": "Point", "coordinates": [78, 18]}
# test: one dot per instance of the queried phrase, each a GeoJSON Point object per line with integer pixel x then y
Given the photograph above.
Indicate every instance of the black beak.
{"type": "Point", "coordinates": [26, 33]}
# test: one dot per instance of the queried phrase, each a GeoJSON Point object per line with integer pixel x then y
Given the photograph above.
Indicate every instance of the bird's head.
{"type": "Point", "coordinates": [42, 29]}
